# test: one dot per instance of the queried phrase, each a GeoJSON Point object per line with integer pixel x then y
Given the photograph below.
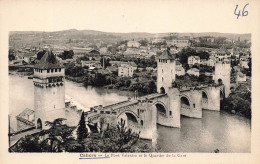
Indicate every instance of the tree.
{"type": "Point", "coordinates": [250, 67]}
{"type": "Point", "coordinates": [99, 80]}
{"type": "Point", "coordinates": [143, 42]}
{"type": "Point", "coordinates": [185, 53]}
{"type": "Point", "coordinates": [203, 55]}
{"type": "Point", "coordinates": [66, 55]}
{"type": "Point", "coordinates": [82, 131]}
{"type": "Point", "coordinates": [57, 134]}
{"type": "Point", "coordinates": [114, 139]}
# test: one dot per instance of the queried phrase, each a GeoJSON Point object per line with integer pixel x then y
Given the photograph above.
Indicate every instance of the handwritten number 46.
{"type": "Point", "coordinates": [244, 13]}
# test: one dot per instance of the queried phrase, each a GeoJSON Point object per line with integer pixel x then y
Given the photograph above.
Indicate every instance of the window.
{"type": "Point", "coordinates": [48, 71]}
{"type": "Point", "coordinates": [59, 69]}
{"type": "Point", "coordinates": [51, 70]}
{"type": "Point", "coordinates": [55, 69]}
{"type": "Point", "coordinates": [193, 105]}
{"type": "Point", "coordinates": [142, 122]}
{"type": "Point", "coordinates": [170, 113]}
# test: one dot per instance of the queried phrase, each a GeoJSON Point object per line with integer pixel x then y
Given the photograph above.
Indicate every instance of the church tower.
{"type": "Point", "coordinates": [49, 90]}
{"type": "Point", "coordinates": [222, 73]}
{"type": "Point", "coordinates": [165, 72]}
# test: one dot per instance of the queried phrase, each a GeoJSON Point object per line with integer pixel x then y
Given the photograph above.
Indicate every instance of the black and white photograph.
{"type": "Point", "coordinates": [129, 79]}
{"type": "Point", "coordinates": [92, 91]}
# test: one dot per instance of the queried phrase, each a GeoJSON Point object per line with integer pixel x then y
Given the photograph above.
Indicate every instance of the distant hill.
{"type": "Point", "coordinates": [132, 35]}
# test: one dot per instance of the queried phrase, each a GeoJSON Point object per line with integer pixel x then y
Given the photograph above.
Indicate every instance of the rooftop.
{"type": "Point", "coordinates": [48, 61]}
{"type": "Point", "coordinates": [166, 55]}
{"type": "Point", "coordinates": [26, 112]}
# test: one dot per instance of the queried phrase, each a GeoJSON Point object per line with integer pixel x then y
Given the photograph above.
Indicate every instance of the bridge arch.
{"type": "Point", "coordinates": [161, 111]}
{"type": "Point", "coordinates": [185, 102]}
{"type": "Point", "coordinates": [129, 113]}
{"type": "Point", "coordinates": [204, 100]}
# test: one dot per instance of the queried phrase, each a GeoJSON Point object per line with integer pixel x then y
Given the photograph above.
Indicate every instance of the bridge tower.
{"type": "Point", "coordinates": [165, 72]}
{"type": "Point", "coordinates": [222, 74]}
{"type": "Point", "coordinates": [49, 90]}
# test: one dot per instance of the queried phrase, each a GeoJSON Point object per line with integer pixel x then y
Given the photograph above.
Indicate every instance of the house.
{"type": "Point", "coordinates": [27, 57]}
{"type": "Point", "coordinates": [112, 69]}
{"type": "Point", "coordinates": [209, 39]}
{"type": "Point", "coordinates": [93, 52]}
{"type": "Point", "coordinates": [125, 70]}
{"type": "Point", "coordinates": [241, 78]}
{"type": "Point", "coordinates": [133, 44]}
{"type": "Point", "coordinates": [178, 42]}
{"type": "Point", "coordinates": [119, 63]}
{"type": "Point", "coordinates": [91, 63]}
{"type": "Point", "coordinates": [193, 60]}
{"type": "Point", "coordinates": [180, 71]}
{"type": "Point", "coordinates": [103, 50]}
{"type": "Point", "coordinates": [211, 61]}
{"type": "Point", "coordinates": [194, 71]}
{"type": "Point", "coordinates": [158, 40]}
{"type": "Point", "coordinates": [150, 69]}
{"type": "Point", "coordinates": [122, 47]}
{"type": "Point", "coordinates": [243, 61]}
{"type": "Point", "coordinates": [25, 120]}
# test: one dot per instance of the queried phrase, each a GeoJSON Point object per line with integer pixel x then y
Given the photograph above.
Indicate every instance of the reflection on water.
{"type": "Point", "coordinates": [216, 130]}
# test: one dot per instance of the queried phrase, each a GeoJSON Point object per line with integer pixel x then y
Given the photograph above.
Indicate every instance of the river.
{"type": "Point", "coordinates": [216, 130]}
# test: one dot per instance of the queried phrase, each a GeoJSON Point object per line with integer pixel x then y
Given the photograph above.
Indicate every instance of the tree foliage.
{"type": "Point", "coordinates": [82, 131]}
{"type": "Point", "coordinates": [66, 55]}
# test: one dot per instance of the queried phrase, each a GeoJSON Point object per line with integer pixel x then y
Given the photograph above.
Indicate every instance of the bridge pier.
{"type": "Point", "coordinates": [213, 98]}
{"type": "Point", "coordinates": [191, 103]}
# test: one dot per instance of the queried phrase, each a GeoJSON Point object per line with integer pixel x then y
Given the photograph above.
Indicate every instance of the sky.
{"type": "Point", "coordinates": [153, 16]}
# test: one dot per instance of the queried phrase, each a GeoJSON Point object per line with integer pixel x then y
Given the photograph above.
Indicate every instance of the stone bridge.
{"type": "Point", "coordinates": [143, 113]}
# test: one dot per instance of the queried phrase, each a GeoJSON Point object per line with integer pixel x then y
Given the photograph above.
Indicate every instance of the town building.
{"type": "Point", "coordinates": [125, 70]}
{"type": "Point", "coordinates": [178, 42]}
{"type": "Point", "coordinates": [91, 63]}
{"type": "Point", "coordinates": [180, 71]}
{"type": "Point", "coordinates": [25, 120]}
{"type": "Point", "coordinates": [243, 61]}
{"type": "Point", "coordinates": [194, 71]}
{"type": "Point", "coordinates": [103, 50]}
{"type": "Point", "coordinates": [133, 44]}
{"type": "Point", "coordinates": [119, 63]}
{"type": "Point", "coordinates": [240, 78]}
{"type": "Point", "coordinates": [211, 61]}
{"type": "Point", "coordinates": [193, 60]}
{"type": "Point", "coordinates": [158, 40]}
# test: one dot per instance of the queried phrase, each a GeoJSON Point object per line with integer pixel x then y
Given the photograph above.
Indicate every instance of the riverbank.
{"type": "Point", "coordinates": [21, 71]}
{"type": "Point", "coordinates": [238, 102]}
{"type": "Point", "coordinates": [120, 84]}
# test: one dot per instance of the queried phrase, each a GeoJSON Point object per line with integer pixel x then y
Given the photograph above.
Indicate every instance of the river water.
{"type": "Point", "coordinates": [216, 130]}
